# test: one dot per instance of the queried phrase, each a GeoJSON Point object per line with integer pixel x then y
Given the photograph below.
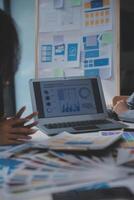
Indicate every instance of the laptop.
{"type": "Point", "coordinates": [74, 104]}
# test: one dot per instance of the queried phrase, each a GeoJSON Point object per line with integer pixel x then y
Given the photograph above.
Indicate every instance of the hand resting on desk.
{"type": "Point", "coordinates": [120, 107]}
{"type": "Point", "coordinates": [15, 130]}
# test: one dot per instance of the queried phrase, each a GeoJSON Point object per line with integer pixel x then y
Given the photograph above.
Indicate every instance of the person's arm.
{"type": "Point", "coordinates": [130, 102]}
{"type": "Point", "coordinates": [127, 116]}
{"type": "Point", "coordinates": [123, 112]}
{"type": "Point", "coordinates": [15, 130]}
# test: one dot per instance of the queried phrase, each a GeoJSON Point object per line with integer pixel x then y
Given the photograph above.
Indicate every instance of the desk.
{"type": "Point", "coordinates": [39, 136]}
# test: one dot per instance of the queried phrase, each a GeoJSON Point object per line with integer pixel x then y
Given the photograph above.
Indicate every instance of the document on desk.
{"type": "Point", "coordinates": [125, 154]}
{"type": "Point", "coordinates": [30, 181]}
{"type": "Point", "coordinates": [7, 151]}
{"type": "Point", "coordinates": [33, 169]}
{"type": "Point", "coordinates": [87, 141]}
{"type": "Point", "coordinates": [54, 174]}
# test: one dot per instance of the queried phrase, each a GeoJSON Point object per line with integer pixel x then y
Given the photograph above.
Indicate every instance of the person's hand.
{"type": "Point", "coordinates": [16, 130]}
{"type": "Point", "coordinates": [120, 107]}
{"type": "Point", "coordinates": [27, 118]}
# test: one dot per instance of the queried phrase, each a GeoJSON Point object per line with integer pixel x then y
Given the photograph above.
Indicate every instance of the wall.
{"type": "Point", "coordinates": [112, 87]}
{"type": "Point", "coordinates": [23, 11]}
{"type": "Point", "coordinates": [127, 47]}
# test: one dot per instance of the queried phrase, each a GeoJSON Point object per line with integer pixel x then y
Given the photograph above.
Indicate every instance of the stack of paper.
{"type": "Point", "coordinates": [54, 172]}
{"type": "Point", "coordinates": [90, 141]}
{"type": "Point", "coordinates": [31, 169]}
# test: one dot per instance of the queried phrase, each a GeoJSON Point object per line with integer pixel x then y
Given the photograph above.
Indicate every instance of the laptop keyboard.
{"type": "Point", "coordinates": [76, 124]}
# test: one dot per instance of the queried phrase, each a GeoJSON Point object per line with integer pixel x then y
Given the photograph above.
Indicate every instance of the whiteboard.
{"type": "Point", "coordinates": [64, 27]}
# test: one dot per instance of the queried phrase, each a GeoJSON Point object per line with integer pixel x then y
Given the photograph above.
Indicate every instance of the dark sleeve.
{"type": "Point", "coordinates": [130, 102]}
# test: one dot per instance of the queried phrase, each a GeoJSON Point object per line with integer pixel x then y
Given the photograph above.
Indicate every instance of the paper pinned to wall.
{"type": "Point", "coordinates": [76, 2]}
{"type": "Point", "coordinates": [58, 72]}
{"type": "Point", "coordinates": [73, 72]}
{"type": "Point", "coordinates": [92, 72]}
{"type": "Point", "coordinates": [58, 3]}
{"type": "Point", "coordinates": [60, 20]}
{"type": "Point", "coordinates": [58, 51]}
{"type": "Point", "coordinates": [97, 54]}
{"type": "Point", "coordinates": [51, 73]}
{"type": "Point", "coordinates": [105, 73]}
{"type": "Point", "coordinates": [59, 16]}
{"type": "Point", "coordinates": [107, 37]}
{"type": "Point", "coordinates": [59, 41]}
{"type": "Point", "coordinates": [97, 15]}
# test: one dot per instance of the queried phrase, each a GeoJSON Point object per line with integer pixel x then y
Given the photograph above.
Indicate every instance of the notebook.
{"type": "Point", "coordinates": [74, 104]}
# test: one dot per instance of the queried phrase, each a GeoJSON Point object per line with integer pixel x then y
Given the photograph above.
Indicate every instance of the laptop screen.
{"type": "Point", "coordinates": [67, 97]}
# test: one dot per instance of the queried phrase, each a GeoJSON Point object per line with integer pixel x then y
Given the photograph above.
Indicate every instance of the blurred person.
{"type": "Point", "coordinates": [125, 109]}
{"type": "Point", "coordinates": [13, 130]}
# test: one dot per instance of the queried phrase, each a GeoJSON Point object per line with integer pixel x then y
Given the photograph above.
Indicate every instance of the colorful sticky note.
{"type": "Point", "coordinates": [107, 37]}
{"type": "Point", "coordinates": [58, 72]}
{"type": "Point", "coordinates": [76, 2]}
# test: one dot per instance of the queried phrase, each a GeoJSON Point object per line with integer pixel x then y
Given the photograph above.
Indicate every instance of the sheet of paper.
{"type": "Point", "coordinates": [97, 54]}
{"type": "Point", "coordinates": [60, 16]}
{"type": "Point", "coordinates": [39, 172]}
{"type": "Point", "coordinates": [58, 3]}
{"type": "Point", "coordinates": [94, 141]}
{"type": "Point", "coordinates": [76, 2]}
{"type": "Point", "coordinates": [97, 15]}
{"type": "Point", "coordinates": [73, 72]}
{"type": "Point", "coordinates": [125, 156]}
{"type": "Point", "coordinates": [58, 52]}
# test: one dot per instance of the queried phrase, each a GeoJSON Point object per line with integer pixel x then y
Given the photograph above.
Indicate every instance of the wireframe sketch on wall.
{"type": "Point", "coordinates": [97, 51]}
{"type": "Point", "coordinates": [75, 36]}
{"type": "Point", "coordinates": [97, 15]}
{"type": "Point", "coordinates": [58, 15]}
{"type": "Point", "coordinates": [58, 51]}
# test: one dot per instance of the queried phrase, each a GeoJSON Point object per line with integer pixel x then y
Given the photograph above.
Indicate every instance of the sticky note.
{"type": "Point", "coordinates": [107, 38]}
{"type": "Point", "coordinates": [58, 72]}
{"type": "Point", "coordinates": [76, 2]}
